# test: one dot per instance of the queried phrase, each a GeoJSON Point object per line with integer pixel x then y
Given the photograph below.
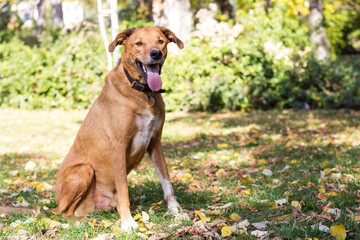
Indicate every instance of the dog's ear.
{"type": "Point", "coordinates": [120, 38]}
{"type": "Point", "coordinates": [172, 37]}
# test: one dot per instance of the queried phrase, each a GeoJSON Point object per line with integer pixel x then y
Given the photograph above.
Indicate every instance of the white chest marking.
{"type": "Point", "coordinates": [147, 127]}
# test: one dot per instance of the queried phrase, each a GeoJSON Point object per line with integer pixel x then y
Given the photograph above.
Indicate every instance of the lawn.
{"type": "Point", "coordinates": [273, 174]}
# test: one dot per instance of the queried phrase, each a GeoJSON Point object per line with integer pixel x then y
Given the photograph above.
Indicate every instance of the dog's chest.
{"type": "Point", "coordinates": [148, 125]}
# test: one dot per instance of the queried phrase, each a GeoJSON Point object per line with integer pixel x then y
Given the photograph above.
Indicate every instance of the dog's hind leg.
{"type": "Point", "coordinates": [73, 185]}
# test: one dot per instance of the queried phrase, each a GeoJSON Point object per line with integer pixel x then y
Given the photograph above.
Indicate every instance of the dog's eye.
{"type": "Point", "coordinates": [139, 43]}
{"type": "Point", "coordinates": [160, 41]}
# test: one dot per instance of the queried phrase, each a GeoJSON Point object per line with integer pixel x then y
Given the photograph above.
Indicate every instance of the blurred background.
{"type": "Point", "coordinates": [238, 55]}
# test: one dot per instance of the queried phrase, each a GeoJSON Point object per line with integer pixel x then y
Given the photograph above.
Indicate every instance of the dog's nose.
{"type": "Point", "coordinates": [155, 54]}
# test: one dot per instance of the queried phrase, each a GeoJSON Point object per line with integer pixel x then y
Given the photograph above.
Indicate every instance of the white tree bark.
{"type": "Point", "coordinates": [114, 28]}
{"type": "Point", "coordinates": [102, 28]}
{"type": "Point", "coordinates": [40, 22]}
{"type": "Point", "coordinates": [175, 15]}
{"type": "Point", "coordinates": [318, 35]}
{"type": "Point", "coordinates": [56, 13]}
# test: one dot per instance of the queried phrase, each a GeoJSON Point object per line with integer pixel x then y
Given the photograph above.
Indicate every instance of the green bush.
{"type": "Point", "coordinates": [68, 72]}
{"type": "Point", "coordinates": [269, 65]}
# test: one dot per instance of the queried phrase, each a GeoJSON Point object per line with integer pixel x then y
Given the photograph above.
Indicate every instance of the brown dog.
{"type": "Point", "coordinates": [123, 123]}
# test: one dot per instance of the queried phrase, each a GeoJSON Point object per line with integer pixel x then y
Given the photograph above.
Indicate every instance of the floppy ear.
{"type": "Point", "coordinates": [172, 37]}
{"type": "Point", "coordinates": [120, 38]}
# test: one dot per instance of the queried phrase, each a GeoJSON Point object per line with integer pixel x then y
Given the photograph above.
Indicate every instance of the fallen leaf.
{"type": "Point", "coordinates": [202, 216]}
{"type": "Point", "coordinates": [158, 236]}
{"type": "Point", "coordinates": [106, 223]}
{"type": "Point", "coordinates": [145, 216]}
{"type": "Point", "coordinates": [321, 227]}
{"type": "Point", "coordinates": [244, 224]}
{"type": "Point", "coordinates": [338, 231]}
{"type": "Point", "coordinates": [260, 234]}
{"type": "Point", "coordinates": [334, 211]}
{"type": "Point", "coordinates": [116, 229]}
{"type": "Point", "coordinates": [267, 172]}
{"type": "Point", "coordinates": [235, 217]}
{"type": "Point", "coordinates": [54, 224]}
{"type": "Point", "coordinates": [281, 201]}
{"type": "Point", "coordinates": [30, 166]}
{"type": "Point", "coordinates": [295, 204]}
{"type": "Point", "coordinates": [226, 231]}
{"type": "Point", "coordinates": [260, 225]}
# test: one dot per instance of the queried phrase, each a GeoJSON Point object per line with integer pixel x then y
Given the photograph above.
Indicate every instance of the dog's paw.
{"type": "Point", "coordinates": [174, 207]}
{"type": "Point", "coordinates": [129, 225]}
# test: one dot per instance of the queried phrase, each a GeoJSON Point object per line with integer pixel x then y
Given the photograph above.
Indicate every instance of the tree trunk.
{"type": "Point", "coordinates": [114, 27]}
{"type": "Point", "coordinates": [103, 33]}
{"type": "Point", "coordinates": [318, 35]}
{"type": "Point", "coordinates": [225, 7]}
{"type": "Point", "coordinates": [56, 13]}
{"type": "Point", "coordinates": [41, 23]}
{"type": "Point", "coordinates": [175, 15]}
{"type": "Point", "coordinates": [267, 5]}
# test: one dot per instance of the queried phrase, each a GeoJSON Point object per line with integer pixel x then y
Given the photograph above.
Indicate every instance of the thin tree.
{"type": "Point", "coordinates": [41, 21]}
{"type": "Point", "coordinates": [174, 14]}
{"type": "Point", "coordinates": [56, 13]}
{"type": "Point", "coordinates": [318, 35]}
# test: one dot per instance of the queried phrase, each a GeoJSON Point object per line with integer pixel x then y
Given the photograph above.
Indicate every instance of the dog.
{"type": "Point", "coordinates": [124, 122]}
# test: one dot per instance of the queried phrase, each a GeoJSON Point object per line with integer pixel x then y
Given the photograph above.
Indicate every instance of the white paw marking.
{"type": "Point", "coordinates": [129, 225]}
{"type": "Point", "coordinates": [173, 206]}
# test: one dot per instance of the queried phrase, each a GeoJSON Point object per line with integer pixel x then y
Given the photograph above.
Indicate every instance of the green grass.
{"type": "Point", "coordinates": [213, 160]}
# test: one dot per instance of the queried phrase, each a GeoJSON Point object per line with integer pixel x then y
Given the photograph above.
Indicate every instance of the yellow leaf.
{"type": "Point", "coordinates": [261, 162]}
{"type": "Point", "coordinates": [235, 217]}
{"type": "Point", "coordinates": [295, 204]}
{"type": "Point", "coordinates": [294, 161]}
{"type": "Point", "coordinates": [143, 228]}
{"type": "Point", "coordinates": [116, 229]}
{"type": "Point", "coordinates": [223, 145]}
{"type": "Point", "coordinates": [8, 181]}
{"type": "Point", "coordinates": [327, 171]}
{"type": "Point", "coordinates": [202, 216]}
{"type": "Point", "coordinates": [137, 216]}
{"type": "Point", "coordinates": [220, 172]}
{"type": "Point", "coordinates": [247, 192]}
{"type": "Point", "coordinates": [92, 223]}
{"type": "Point", "coordinates": [272, 204]}
{"type": "Point", "coordinates": [355, 218]}
{"type": "Point", "coordinates": [324, 164]}
{"type": "Point", "coordinates": [333, 193]}
{"type": "Point", "coordinates": [106, 223]}
{"type": "Point", "coordinates": [45, 222]}
{"type": "Point", "coordinates": [226, 231]}
{"type": "Point", "coordinates": [338, 231]}
{"type": "Point", "coordinates": [187, 175]}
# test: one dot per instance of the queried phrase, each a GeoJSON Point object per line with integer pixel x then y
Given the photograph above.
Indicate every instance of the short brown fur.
{"type": "Point", "coordinates": [93, 175]}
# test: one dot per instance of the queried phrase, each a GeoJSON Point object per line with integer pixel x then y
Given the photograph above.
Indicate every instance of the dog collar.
{"type": "Point", "coordinates": [141, 87]}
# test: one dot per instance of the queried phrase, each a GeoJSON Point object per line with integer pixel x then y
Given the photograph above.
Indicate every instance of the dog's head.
{"type": "Point", "coordinates": [145, 50]}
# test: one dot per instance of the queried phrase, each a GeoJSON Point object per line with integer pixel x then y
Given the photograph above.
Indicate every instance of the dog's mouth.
{"type": "Point", "coordinates": [152, 73]}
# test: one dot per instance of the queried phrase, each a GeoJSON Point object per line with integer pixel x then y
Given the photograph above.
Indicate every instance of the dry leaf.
{"type": "Point", "coordinates": [338, 231]}
{"type": "Point", "coordinates": [226, 231]}
{"type": "Point", "coordinates": [295, 204]}
{"type": "Point", "coordinates": [260, 225]}
{"type": "Point", "coordinates": [235, 217]}
{"type": "Point", "coordinates": [260, 234]}
{"type": "Point", "coordinates": [267, 172]}
{"type": "Point", "coordinates": [202, 216]}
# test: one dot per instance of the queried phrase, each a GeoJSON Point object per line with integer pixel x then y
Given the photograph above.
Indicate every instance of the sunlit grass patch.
{"type": "Point", "coordinates": [297, 171]}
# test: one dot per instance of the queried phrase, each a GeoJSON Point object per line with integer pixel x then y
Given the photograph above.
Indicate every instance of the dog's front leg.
{"type": "Point", "coordinates": [121, 184]}
{"type": "Point", "coordinates": [157, 157]}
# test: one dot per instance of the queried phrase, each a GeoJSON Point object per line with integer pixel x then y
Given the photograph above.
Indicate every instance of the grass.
{"type": "Point", "coordinates": [216, 163]}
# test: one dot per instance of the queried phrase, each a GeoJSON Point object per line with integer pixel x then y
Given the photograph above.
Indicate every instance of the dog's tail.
{"type": "Point", "coordinates": [9, 210]}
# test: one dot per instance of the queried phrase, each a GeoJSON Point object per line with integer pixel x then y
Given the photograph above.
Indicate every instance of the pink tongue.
{"type": "Point", "coordinates": [153, 80]}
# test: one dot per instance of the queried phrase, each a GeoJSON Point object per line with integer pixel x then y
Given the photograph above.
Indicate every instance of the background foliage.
{"type": "Point", "coordinates": [54, 70]}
